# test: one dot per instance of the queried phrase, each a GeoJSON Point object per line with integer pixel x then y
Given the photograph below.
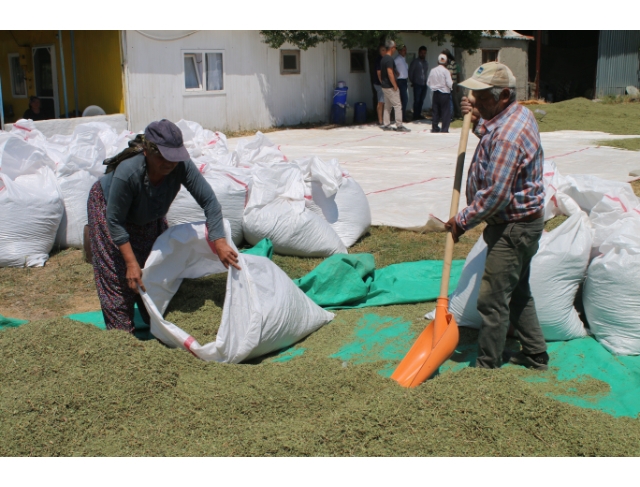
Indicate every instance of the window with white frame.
{"type": "Point", "coordinates": [290, 61]}
{"type": "Point", "coordinates": [18, 81]}
{"type": "Point", "coordinates": [203, 71]}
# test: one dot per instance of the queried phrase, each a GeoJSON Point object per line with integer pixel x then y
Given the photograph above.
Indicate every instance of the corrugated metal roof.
{"type": "Point", "coordinates": [618, 61]}
{"type": "Point", "coordinates": [508, 34]}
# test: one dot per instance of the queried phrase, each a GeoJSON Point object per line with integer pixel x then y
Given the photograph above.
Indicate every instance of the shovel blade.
{"type": "Point", "coordinates": [434, 346]}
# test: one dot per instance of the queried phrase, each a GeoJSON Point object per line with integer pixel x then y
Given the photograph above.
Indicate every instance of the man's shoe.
{"type": "Point", "coordinates": [387, 127]}
{"type": "Point", "coordinates": [539, 361]}
{"type": "Point", "coordinates": [403, 129]}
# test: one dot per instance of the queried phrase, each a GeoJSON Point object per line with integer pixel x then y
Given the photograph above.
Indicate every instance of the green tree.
{"type": "Point", "coordinates": [467, 40]}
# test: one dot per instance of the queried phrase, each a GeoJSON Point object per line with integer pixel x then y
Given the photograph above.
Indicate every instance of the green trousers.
{"type": "Point", "coordinates": [505, 296]}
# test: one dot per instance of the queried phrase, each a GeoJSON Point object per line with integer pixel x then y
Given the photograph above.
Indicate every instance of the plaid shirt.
{"type": "Point", "coordinates": [505, 175]}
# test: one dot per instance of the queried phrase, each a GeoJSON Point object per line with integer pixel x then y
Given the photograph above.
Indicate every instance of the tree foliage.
{"type": "Point", "coordinates": [468, 40]}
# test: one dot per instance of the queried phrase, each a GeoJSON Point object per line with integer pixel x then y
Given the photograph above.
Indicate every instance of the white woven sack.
{"type": "Point", "coordinates": [612, 289]}
{"type": "Point", "coordinates": [276, 210]}
{"type": "Point", "coordinates": [258, 149]}
{"type": "Point", "coordinates": [588, 190]}
{"type": "Point", "coordinates": [264, 310]}
{"type": "Point", "coordinates": [30, 204]}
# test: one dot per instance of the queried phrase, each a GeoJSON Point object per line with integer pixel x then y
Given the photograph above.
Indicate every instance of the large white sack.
{"type": "Point", "coordinates": [552, 181]}
{"type": "Point", "coordinates": [333, 194]}
{"type": "Point", "coordinates": [258, 149]}
{"type": "Point", "coordinates": [611, 213]}
{"type": "Point", "coordinates": [30, 203]}
{"type": "Point", "coordinates": [611, 293]}
{"type": "Point", "coordinates": [231, 186]}
{"type": "Point", "coordinates": [27, 131]}
{"type": "Point", "coordinates": [347, 211]}
{"type": "Point", "coordinates": [79, 168]}
{"type": "Point", "coordinates": [264, 310]}
{"type": "Point", "coordinates": [588, 190]}
{"type": "Point", "coordinates": [557, 270]}
{"type": "Point", "coordinates": [276, 210]}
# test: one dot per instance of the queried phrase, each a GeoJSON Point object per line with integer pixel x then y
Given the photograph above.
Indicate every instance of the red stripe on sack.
{"type": "Point", "coordinates": [21, 127]}
{"type": "Point", "coordinates": [635, 209]}
{"type": "Point", "coordinates": [568, 153]}
{"type": "Point", "coordinates": [554, 200]}
{"type": "Point", "coordinates": [615, 198]}
{"type": "Point", "coordinates": [307, 197]}
{"type": "Point", "coordinates": [245, 186]}
{"type": "Point", "coordinates": [187, 344]}
{"type": "Point", "coordinates": [201, 169]}
{"type": "Point", "coordinates": [408, 184]}
{"type": "Point", "coordinates": [549, 174]}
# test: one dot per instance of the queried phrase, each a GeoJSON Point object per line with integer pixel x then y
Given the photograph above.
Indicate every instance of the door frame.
{"type": "Point", "coordinates": [54, 74]}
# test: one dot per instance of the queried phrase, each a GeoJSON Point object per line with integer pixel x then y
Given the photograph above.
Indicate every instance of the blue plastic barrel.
{"type": "Point", "coordinates": [360, 113]}
{"type": "Point", "coordinates": [338, 114]}
{"type": "Point", "coordinates": [340, 96]}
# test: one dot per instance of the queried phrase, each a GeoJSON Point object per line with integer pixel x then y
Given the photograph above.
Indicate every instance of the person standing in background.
{"type": "Point", "coordinates": [403, 74]}
{"type": "Point", "coordinates": [452, 66]}
{"type": "Point", "coordinates": [382, 50]}
{"type": "Point", "coordinates": [440, 83]}
{"type": "Point", "coordinates": [418, 72]}
{"type": "Point", "coordinates": [390, 89]}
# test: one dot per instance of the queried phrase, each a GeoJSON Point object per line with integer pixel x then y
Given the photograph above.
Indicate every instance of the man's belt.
{"type": "Point", "coordinates": [494, 220]}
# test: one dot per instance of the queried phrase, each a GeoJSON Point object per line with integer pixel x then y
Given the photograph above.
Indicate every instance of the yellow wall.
{"type": "Point", "coordinates": [98, 68]}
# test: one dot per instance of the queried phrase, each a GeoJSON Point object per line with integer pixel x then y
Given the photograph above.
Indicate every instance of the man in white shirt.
{"type": "Point", "coordinates": [440, 83]}
{"type": "Point", "coordinates": [403, 74]}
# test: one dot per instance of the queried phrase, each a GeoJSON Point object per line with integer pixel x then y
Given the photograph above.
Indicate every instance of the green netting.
{"type": "Point", "coordinates": [579, 360]}
{"type": "Point", "coordinates": [10, 322]}
{"type": "Point", "coordinates": [352, 281]}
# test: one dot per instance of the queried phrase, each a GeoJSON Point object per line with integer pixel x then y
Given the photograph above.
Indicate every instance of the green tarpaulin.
{"type": "Point", "coordinates": [264, 248]}
{"type": "Point", "coordinates": [10, 322]}
{"type": "Point", "coordinates": [352, 281]}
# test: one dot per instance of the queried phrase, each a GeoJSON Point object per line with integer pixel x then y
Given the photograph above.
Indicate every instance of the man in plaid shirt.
{"type": "Point", "coordinates": [505, 190]}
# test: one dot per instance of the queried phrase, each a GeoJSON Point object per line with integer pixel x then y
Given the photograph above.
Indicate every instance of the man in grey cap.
{"type": "Point", "coordinates": [505, 190]}
{"type": "Point", "coordinates": [127, 210]}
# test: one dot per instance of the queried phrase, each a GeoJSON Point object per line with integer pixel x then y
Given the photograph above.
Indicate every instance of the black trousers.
{"type": "Point", "coordinates": [441, 106]}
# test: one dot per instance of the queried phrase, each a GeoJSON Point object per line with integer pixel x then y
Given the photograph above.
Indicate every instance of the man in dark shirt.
{"type": "Point", "coordinates": [378, 87]}
{"type": "Point", "coordinates": [390, 89]}
{"type": "Point", "coordinates": [33, 112]}
{"type": "Point", "coordinates": [418, 72]}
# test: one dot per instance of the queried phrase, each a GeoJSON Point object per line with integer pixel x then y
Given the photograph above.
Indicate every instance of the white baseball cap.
{"type": "Point", "coordinates": [490, 75]}
{"type": "Point", "coordinates": [442, 58]}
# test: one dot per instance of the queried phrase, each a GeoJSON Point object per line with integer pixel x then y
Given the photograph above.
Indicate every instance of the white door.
{"type": "Point", "coordinates": [46, 80]}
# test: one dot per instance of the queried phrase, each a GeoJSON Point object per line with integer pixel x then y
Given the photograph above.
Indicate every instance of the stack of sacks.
{"type": "Point", "coordinates": [588, 190]}
{"type": "Point", "coordinates": [557, 270]}
{"type": "Point", "coordinates": [612, 289]}
{"type": "Point", "coordinates": [78, 164]}
{"type": "Point", "coordinates": [334, 195]}
{"type": "Point", "coordinates": [209, 152]}
{"type": "Point", "coordinates": [31, 205]}
{"type": "Point", "coordinates": [231, 186]}
{"type": "Point", "coordinates": [277, 210]}
{"type": "Point", "coordinates": [264, 310]}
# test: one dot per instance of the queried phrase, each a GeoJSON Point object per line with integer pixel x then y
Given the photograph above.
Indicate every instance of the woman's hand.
{"type": "Point", "coordinates": [134, 277]}
{"type": "Point", "coordinates": [466, 106]}
{"type": "Point", "coordinates": [227, 255]}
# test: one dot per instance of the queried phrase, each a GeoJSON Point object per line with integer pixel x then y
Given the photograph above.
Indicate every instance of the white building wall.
{"type": "Point", "coordinates": [256, 95]}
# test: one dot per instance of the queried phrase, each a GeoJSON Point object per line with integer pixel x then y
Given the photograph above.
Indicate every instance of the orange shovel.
{"type": "Point", "coordinates": [439, 339]}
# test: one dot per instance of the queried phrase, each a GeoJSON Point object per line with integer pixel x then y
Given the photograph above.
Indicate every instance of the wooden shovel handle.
{"type": "Point", "coordinates": [455, 200]}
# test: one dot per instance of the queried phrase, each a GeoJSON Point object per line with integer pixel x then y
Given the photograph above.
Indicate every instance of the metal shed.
{"type": "Point", "coordinates": [618, 61]}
